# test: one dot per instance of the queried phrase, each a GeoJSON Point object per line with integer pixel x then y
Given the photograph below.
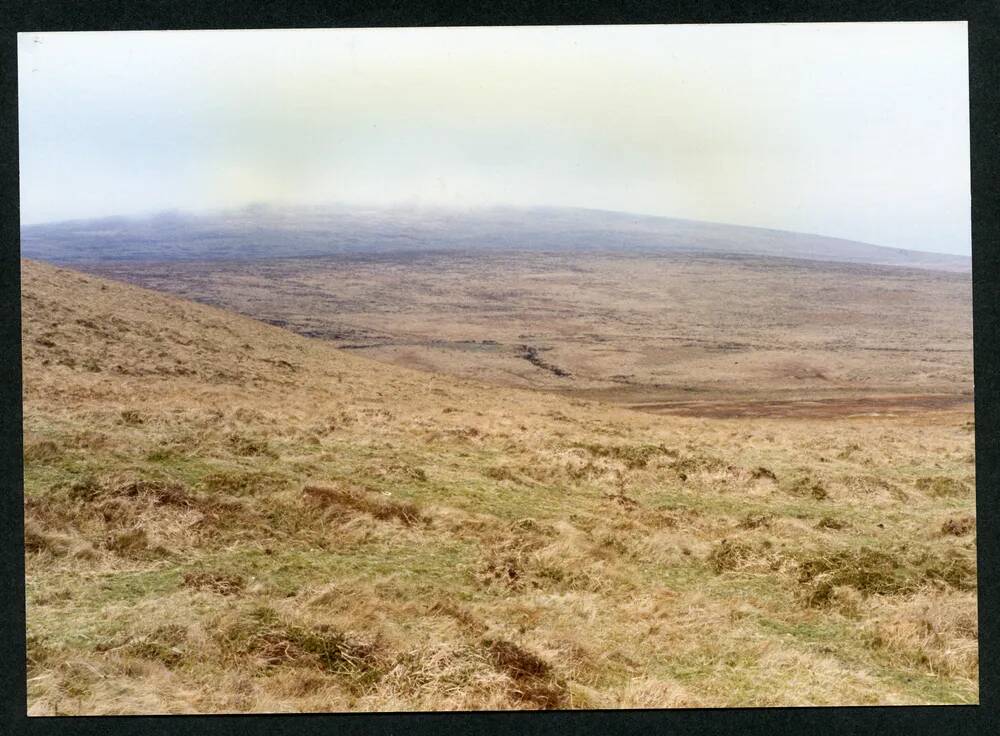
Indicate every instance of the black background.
{"type": "Point", "coordinates": [983, 17]}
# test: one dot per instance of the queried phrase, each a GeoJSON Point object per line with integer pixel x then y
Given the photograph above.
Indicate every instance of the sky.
{"type": "Point", "coordinates": [858, 131]}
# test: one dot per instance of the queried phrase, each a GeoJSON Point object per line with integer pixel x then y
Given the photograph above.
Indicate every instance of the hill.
{"type": "Point", "coordinates": [223, 516]}
{"type": "Point", "coordinates": [669, 331]}
{"type": "Point", "coordinates": [290, 232]}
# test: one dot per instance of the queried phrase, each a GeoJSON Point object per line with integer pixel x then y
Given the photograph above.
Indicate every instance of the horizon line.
{"type": "Point", "coordinates": [404, 205]}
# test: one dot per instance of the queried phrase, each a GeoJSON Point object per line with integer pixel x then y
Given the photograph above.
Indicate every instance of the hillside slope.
{"type": "Point", "coordinates": [287, 232]}
{"type": "Point", "coordinates": [222, 516]}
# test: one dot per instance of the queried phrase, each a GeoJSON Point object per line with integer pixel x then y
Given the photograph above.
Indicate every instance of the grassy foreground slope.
{"type": "Point", "coordinates": [223, 516]}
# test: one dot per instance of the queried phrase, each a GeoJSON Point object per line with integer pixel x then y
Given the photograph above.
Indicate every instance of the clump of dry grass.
{"type": "Point", "coordinates": [879, 572]}
{"type": "Point", "coordinates": [263, 635]}
{"type": "Point", "coordinates": [868, 485]}
{"type": "Point", "coordinates": [632, 456]}
{"type": "Point", "coordinates": [942, 486]}
{"type": "Point", "coordinates": [808, 486]}
{"type": "Point", "coordinates": [756, 521]}
{"type": "Point", "coordinates": [697, 463]}
{"type": "Point", "coordinates": [735, 554]}
{"type": "Point", "coordinates": [241, 483]}
{"type": "Point", "coordinates": [507, 562]}
{"type": "Point", "coordinates": [368, 502]}
{"type": "Point", "coordinates": [866, 570]}
{"type": "Point", "coordinates": [932, 631]}
{"type": "Point", "coordinates": [215, 582]}
{"type": "Point", "coordinates": [534, 682]}
{"type": "Point", "coordinates": [959, 525]}
{"type": "Point", "coordinates": [164, 644]}
{"type": "Point", "coordinates": [762, 472]}
{"type": "Point", "coordinates": [41, 451]}
{"type": "Point", "coordinates": [37, 539]}
{"type": "Point", "coordinates": [832, 523]}
{"type": "Point", "coordinates": [245, 446]}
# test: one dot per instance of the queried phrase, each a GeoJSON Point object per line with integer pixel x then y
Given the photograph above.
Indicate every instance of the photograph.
{"type": "Point", "coordinates": [493, 368]}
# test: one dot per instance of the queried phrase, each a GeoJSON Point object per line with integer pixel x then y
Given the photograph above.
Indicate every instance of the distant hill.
{"type": "Point", "coordinates": [257, 232]}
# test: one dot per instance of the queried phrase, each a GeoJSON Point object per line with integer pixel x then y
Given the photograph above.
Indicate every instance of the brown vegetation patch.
{"type": "Point", "coordinates": [239, 483]}
{"type": "Point", "coordinates": [534, 682]}
{"type": "Point", "coordinates": [872, 484]}
{"type": "Point", "coordinates": [365, 501]}
{"type": "Point", "coordinates": [261, 634]}
{"type": "Point", "coordinates": [632, 456]}
{"type": "Point", "coordinates": [219, 583]}
{"type": "Point", "coordinates": [874, 572]}
{"type": "Point", "coordinates": [163, 645]}
{"type": "Point", "coordinates": [761, 472]}
{"type": "Point", "coordinates": [808, 487]}
{"type": "Point", "coordinates": [690, 464]}
{"type": "Point", "coordinates": [41, 451]}
{"type": "Point", "coordinates": [37, 539]}
{"type": "Point", "coordinates": [734, 554]}
{"type": "Point", "coordinates": [501, 473]}
{"type": "Point", "coordinates": [249, 446]}
{"type": "Point", "coordinates": [951, 568]}
{"type": "Point", "coordinates": [942, 486]}
{"type": "Point", "coordinates": [959, 525]}
{"type": "Point", "coordinates": [755, 521]}
{"type": "Point", "coordinates": [829, 522]}
{"type": "Point", "coordinates": [626, 502]}
{"type": "Point", "coordinates": [866, 570]}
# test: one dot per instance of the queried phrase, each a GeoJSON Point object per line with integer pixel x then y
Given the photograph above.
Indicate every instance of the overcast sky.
{"type": "Point", "coordinates": [853, 130]}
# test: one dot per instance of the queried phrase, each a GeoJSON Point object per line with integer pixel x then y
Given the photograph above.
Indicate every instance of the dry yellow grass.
{"type": "Point", "coordinates": [222, 516]}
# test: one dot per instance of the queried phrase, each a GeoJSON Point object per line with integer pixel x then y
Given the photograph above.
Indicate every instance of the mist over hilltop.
{"type": "Point", "coordinates": [264, 231]}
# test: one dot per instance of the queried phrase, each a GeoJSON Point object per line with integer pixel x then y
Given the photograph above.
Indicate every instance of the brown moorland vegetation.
{"type": "Point", "coordinates": [223, 516]}
{"type": "Point", "coordinates": [692, 334]}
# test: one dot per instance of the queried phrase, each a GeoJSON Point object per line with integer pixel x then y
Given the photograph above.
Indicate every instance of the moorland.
{"type": "Point", "coordinates": [470, 478]}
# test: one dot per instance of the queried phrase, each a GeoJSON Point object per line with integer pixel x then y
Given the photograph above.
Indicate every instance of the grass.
{"type": "Point", "coordinates": [341, 543]}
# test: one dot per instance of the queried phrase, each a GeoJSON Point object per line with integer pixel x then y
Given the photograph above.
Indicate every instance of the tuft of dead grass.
{"type": "Point", "coordinates": [262, 634]}
{"type": "Point", "coordinates": [959, 526]}
{"type": "Point", "coordinates": [534, 683]}
{"type": "Point", "coordinates": [215, 582]}
{"type": "Point", "coordinates": [360, 499]}
{"type": "Point", "coordinates": [942, 486]}
{"type": "Point", "coordinates": [807, 486]}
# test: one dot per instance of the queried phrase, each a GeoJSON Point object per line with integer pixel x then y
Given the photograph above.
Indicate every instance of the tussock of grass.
{"type": "Point", "coordinates": [215, 582]}
{"type": "Point", "coordinates": [262, 634]}
{"type": "Point", "coordinates": [736, 554]}
{"type": "Point", "coordinates": [632, 456]}
{"type": "Point", "coordinates": [761, 472]}
{"type": "Point", "coordinates": [959, 525]}
{"type": "Point", "coordinates": [241, 483]}
{"type": "Point", "coordinates": [808, 486]}
{"type": "Point", "coordinates": [534, 682]}
{"type": "Point", "coordinates": [942, 486]}
{"type": "Point", "coordinates": [41, 451]}
{"type": "Point", "coordinates": [363, 500]}
{"type": "Point", "coordinates": [877, 572]}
